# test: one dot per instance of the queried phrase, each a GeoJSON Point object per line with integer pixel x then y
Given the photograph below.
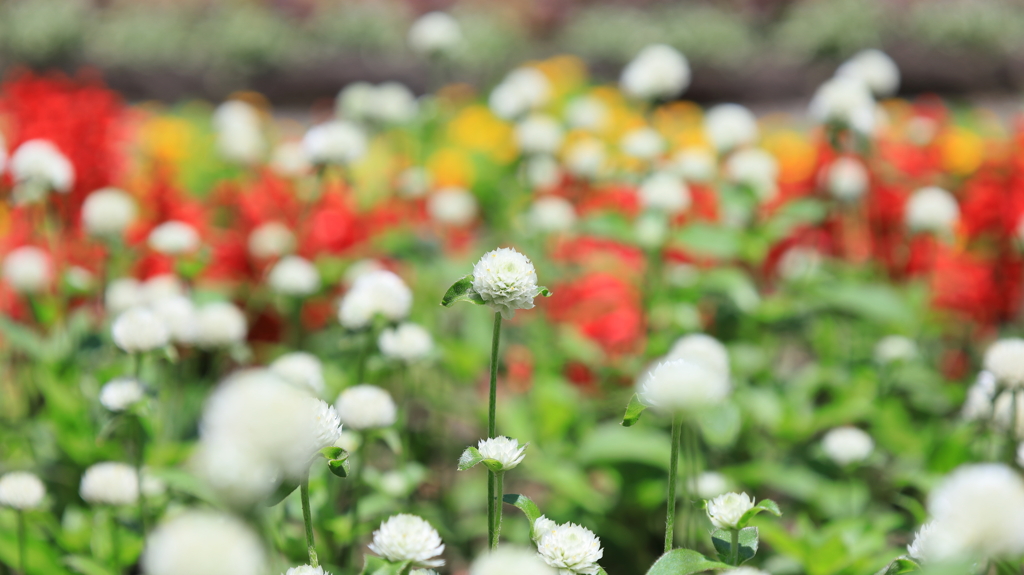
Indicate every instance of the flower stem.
{"type": "Point", "coordinates": [140, 458]}
{"type": "Point", "coordinates": [499, 492]}
{"type": "Point", "coordinates": [673, 465]}
{"type": "Point", "coordinates": [307, 518]}
{"type": "Point", "coordinates": [493, 509]}
{"type": "Point", "coordinates": [1011, 434]}
{"type": "Point", "coordinates": [357, 483]}
{"type": "Point", "coordinates": [735, 548]}
{"type": "Point", "coordinates": [21, 542]}
{"type": "Point", "coordinates": [115, 541]}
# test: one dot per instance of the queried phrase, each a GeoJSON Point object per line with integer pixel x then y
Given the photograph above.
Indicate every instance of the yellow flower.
{"type": "Point", "coordinates": [796, 156]}
{"type": "Point", "coordinates": [962, 151]}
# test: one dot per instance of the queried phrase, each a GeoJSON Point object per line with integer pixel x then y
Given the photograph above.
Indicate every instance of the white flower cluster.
{"type": "Point", "coordinates": [139, 330]}
{"type": "Point", "coordinates": [504, 450]}
{"type": "Point", "coordinates": [701, 348]}
{"type": "Point", "coordinates": [506, 281]}
{"type": "Point", "coordinates": [658, 71]}
{"type": "Point", "coordinates": [28, 269]}
{"type": "Point", "coordinates": [1004, 359]}
{"type": "Point", "coordinates": [511, 561]}
{"type": "Point", "coordinates": [239, 132]}
{"type": "Point", "coordinates": [110, 483]}
{"type": "Point", "coordinates": [379, 292]}
{"type": "Point", "coordinates": [894, 348]}
{"type": "Point", "coordinates": [586, 158]}
{"type": "Point", "coordinates": [294, 276]}
{"type": "Point", "coordinates": [366, 406]}
{"type": "Point", "coordinates": [523, 89]}
{"type": "Point", "coordinates": [932, 209]}
{"type": "Point", "coordinates": [665, 192]}
{"type": "Point", "coordinates": [21, 490]}
{"type": "Point", "coordinates": [334, 142]}
{"type": "Point", "coordinates": [586, 113]}
{"type": "Point", "coordinates": [174, 238]}
{"type": "Point", "coordinates": [121, 393]}
{"type": "Point", "coordinates": [539, 134]}
{"type": "Point", "coordinates": [682, 386]}
{"type": "Point", "coordinates": [301, 369]}
{"type": "Point", "coordinates": [452, 206]}
{"type": "Point", "coordinates": [289, 159]}
{"type": "Point", "coordinates": [695, 164]}
{"type": "Point", "coordinates": [388, 103]}
{"type": "Point", "coordinates": [108, 212]}
{"type": "Point", "coordinates": [435, 33]}
{"type": "Point", "coordinates": [755, 168]}
{"type": "Point", "coordinates": [542, 172]}
{"type": "Point", "coordinates": [306, 570]}
{"type": "Point", "coordinates": [570, 548]}
{"type": "Point", "coordinates": [405, 537]}
{"type": "Point", "coordinates": [271, 240]}
{"type": "Point", "coordinates": [729, 126]}
{"type": "Point", "coordinates": [847, 179]}
{"type": "Point", "coordinates": [39, 167]}
{"type": "Point", "coordinates": [203, 543]}
{"type": "Point", "coordinates": [643, 144]}
{"type": "Point", "coordinates": [550, 214]}
{"type": "Point", "coordinates": [407, 342]}
{"type": "Point", "coordinates": [846, 445]}
{"type": "Point", "coordinates": [726, 510]}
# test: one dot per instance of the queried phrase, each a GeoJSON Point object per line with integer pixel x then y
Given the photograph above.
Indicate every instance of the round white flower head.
{"type": "Point", "coordinates": [658, 71]}
{"type": "Point", "coordinates": [289, 159]}
{"type": "Point", "coordinates": [221, 324]}
{"type": "Point", "coordinates": [139, 330]}
{"type": "Point", "coordinates": [846, 100]}
{"type": "Point", "coordinates": [356, 101]}
{"type": "Point", "coordinates": [174, 238]}
{"type": "Point", "coordinates": [38, 167]}
{"type": "Point", "coordinates": [539, 134]}
{"type": "Point", "coordinates": [643, 143]}
{"type": "Point", "coordinates": [728, 126]}
{"type": "Point", "coordinates": [505, 450]}
{"type": "Point", "coordinates": [203, 543]}
{"type": "Point", "coordinates": [108, 212]}
{"type": "Point", "coordinates": [978, 403]}
{"type": "Point", "coordinates": [799, 263]}
{"type": "Point", "coordinates": [682, 385]}
{"type": "Point", "coordinates": [932, 209]}
{"type": "Point", "coordinates": [294, 276]}
{"type": "Point", "coordinates": [895, 348]}
{"type": "Point", "coordinates": [510, 560]}
{"type": "Point", "coordinates": [452, 206]}
{"type": "Point", "coordinates": [847, 179]}
{"type": "Point", "coordinates": [306, 570]}
{"type": "Point", "coordinates": [665, 192]}
{"type": "Point", "coordinates": [542, 172]}
{"type": "Point", "coordinates": [375, 292]}
{"type": "Point", "coordinates": [1005, 360]}
{"type": "Point", "coordinates": [586, 158]}
{"type": "Point", "coordinates": [506, 280]}
{"type": "Point", "coordinates": [524, 89]}
{"type": "Point", "coordinates": [366, 406]}
{"type": "Point", "coordinates": [123, 294]}
{"type": "Point", "coordinates": [726, 510]}
{"type": "Point", "coordinates": [271, 240]}
{"type": "Point", "coordinates": [651, 230]}
{"type": "Point", "coordinates": [79, 278]}
{"type": "Point", "coordinates": [407, 342]}
{"type": "Point", "coordinates": [711, 484]}
{"type": "Point", "coordinates": [360, 268]}
{"type": "Point", "coordinates": [239, 132]}
{"type": "Point", "coordinates": [334, 142]}
{"type": "Point", "coordinates": [28, 269]}
{"type": "Point", "coordinates": [21, 490]}
{"type": "Point", "coordinates": [875, 69]}
{"type": "Point", "coordinates": [414, 182]}
{"type": "Point", "coordinates": [978, 511]}
{"type": "Point", "coordinates": [161, 287]}
{"type": "Point", "coordinates": [328, 425]}
{"type": "Point", "coordinates": [550, 214]}
{"type": "Point", "coordinates": [405, 537]}
{"type": "Point", "coordinates": [920, 548]}
{"type": "Point", "coordinates": [695, 164]}
{"type": "Point", "coordinates": [394, 103]}
{"type": "Point", "coordinates": [178, 314]}
{"type": "Point", "coordinates": [846, 445]}
{"type": "Point", "coordinates": [121, 393]}
{"type": "Point", "coordinates": [301, 369]}
{"type": "Point", "coordinates": [703, 349]}
{"type": "Point", "coordinates": [435, 33]}
{"type": "Point", "coordinates": [541, 527]}
{"type": "Point", "coordinates": [755, 168]}
{"type": "Point", "coordinates": [110, 483]}
{"type": "Point", "coordinates": [571, 548]}
{"type": "Point", "coordinates": [586, 113]}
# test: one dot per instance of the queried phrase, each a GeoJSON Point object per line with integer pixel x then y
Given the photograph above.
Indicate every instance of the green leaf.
{"type": "Point", "coordinates": [380, 566]}
{"type": "Point", "coordinates": [899, 565]}
{"type": "Point", "coordinates": [633, 411]}
{"type": "Point", "coordinates": [283, 490]}
{"type": "Point", "coordinates": [333, 453]}
{"type": "Point", "coordinates": [526, 505]}
{"type": "Point", "coordinates": [764, 505]}
{"type": "Point", "coordinates": [684, 562]}
{"type": "Point", "coordinates": [545, 291]}
{"type": "Point", "coordinates": [86, 565]}
{"type": "Point", "coordinates": [722, 539]}
{"type": "Point", "coordinates": [470, 458]}
{"type": "Point", "coordinates": [461, 290]}
{"type": "Point", "coordinates": [339, 467]}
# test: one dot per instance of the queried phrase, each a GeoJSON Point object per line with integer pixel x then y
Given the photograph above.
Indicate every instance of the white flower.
{"type": "Point", "coordinates": [294, 276]}
{"type": "Point", "coordinates": [506, 280]}
{"type": "Point", "coordinates": [651, 230]}
{"type": "Point", "coordinates": [658, 71]}
{"type": "Point", "coordinates": [703, 349]}
{"type": "Point", "coordinates": [393, 103]}
{"type": "Point", "coordinates": [726, 510]}
{"type": "Point", "coordinates": [978, 405]}
{"type": "Point", "coordinates": [847, 179]}
{"type": "Point", "coordinates": [1005, 360]}
{"type": "Point", "coordinates": [452, 206]}
{"type": "Point", "coordinates": [542, 172]}
{"type": "Point", "coordinates": [174, 238]}
{"type": "Point", "coordinates": [505, 450]}
{"type": "Point", "coordinates": [682, 385]}
{"type": "Point", "coordinates": [666, 192]}
{"type": "Point", "coordinates": [407, 342]}
{"type": "Point", "coordinates": [643, 143]}
{"type": "Point", "coordinates": [235, 470]}
{"type": "Point", "coordinates": [203, 543]}
{"type": "Point", "coordinates": [585, 158]}
{"type": "Point", "coordinates": [539, 134]}
{"type": "Point", "coordinates": [270, 240]}
{"type": "Point", "coordinates": [932, 209]}
{"type": "Point", "coordinates": [139, 330]}
{"type": "Point", "coordinates": [366, 406]}
{"type": "Point", "coordinates": [572, 549]}
{"type": "Point", "coordinates": [360, 268]}
{"type": "Point", "coordinates": [178, 315]}
{"type": "Point", "coordinates": [1003, 412]}
{"type": "Point", "coordinates": [894, 348]}
{"type": "Point", "coordinates": [334, 142]}
{"type": "Point", "coordinates": [846, 100]}
{"type": "Point", "coordinates": [110, 483]}
{"type": "Point", "coordinates": [108, 212]}
{"type": "Point", "coordinates": [327, 426]}
{"type": "Point", "coordinates": [307, 570]}
{"type": "Point", "coordinates": [405, 537]}
{"type": "Point", "coordinates": [551, 214]}
{"type": "Point", "coordinates": [300, 369]}
{"type": "Point", "coordinates": [541, 527]}
{"type": "Point", "coordinates": [755, 168]}
{"type": "Point", "coordinates": [79, 278]}
{"type": "Point", "coordinates": [586, 113]}
{"type": "Point", "coordinates": [356, 101]}
{"type": "Point", "coordinates": [875, 69]}
{"type": "Point", "coordinates": [921, 548]}
{"type": "Point", "coordinates": [220, 324]}
{"type": "Point", "coordinates": [38, 167]}
{"type": "Point", "coordinates": [123, 294]}
{"type": "Point", "coordinates": [28, 269]}
{"type": "Point", "coordinates": [846, 445]}
{"type": "Point", "coordinates": [799, 263]}
{"type": "Point", "coordinates": [728, 126]}
{"type": "Point", "coordinates": [161, 287]}
{"type": "Point", "coordinates": [435, 33]}
{"type": "Point", "coordinates": [696, 164]}
{"type": "Point", "coordinates": [711, 484]}
{"type": "Point", "coordinates": [349, 441]}
{"type": "Point", "coordinates": [21, 490]}
{"type": "Point", "coordinates": [289, 159]}
{"type": "Point", "coordinates": [121, 393]}
{"type": "Point", "coordinates": [376, 292]}
{"type": "Point", "coordinates": [510, 561]}
{"type": "Point", "coordinates": [414, 182]}
{"type": "Point", "coordinates": [239, 133]}
{"type": "Point", "coordinates": [524, 89]}
{"type": "Point", "coordinates": [978, 510]}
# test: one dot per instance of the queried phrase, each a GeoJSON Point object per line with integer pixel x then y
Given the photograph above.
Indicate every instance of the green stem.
{"type": "Point", "coordinates": [493, 406]}
{"type": "Point", "coordinates": [140, 459]}
{"type": "Point", "coordinates": [673, 465]}
{"type": "Point", "coordinates": [357, 483]}
{"type": "Point", "coordinates": [1011, 434]}
{"type": "Point", "coordinates": [307, 518]}
{"type": "Point", "coordinates": [735, 548]}
{"type": "Point", "coordinates": [115, 541]}
{"type": "Point", "coordinates": [22, 540]}
{"type": "Point", "coordinates": [497, 494]}
{"type": "Point", "coordinates": [364, 355]}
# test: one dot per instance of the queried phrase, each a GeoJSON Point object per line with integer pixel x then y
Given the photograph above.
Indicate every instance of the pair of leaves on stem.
{"type": "Point", "coordinates": [472, 457]}
{"type": "Point", "coordinates": [462, 290]}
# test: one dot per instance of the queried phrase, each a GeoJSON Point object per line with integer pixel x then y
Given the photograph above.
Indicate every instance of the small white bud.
{"type": "Point", "coordinates": [21, 490]}
{"type": "Point", "coordinates": [407, 342]}
{"type": "Point", "coordinates": [726, 510]}
{"type": "Point", "coordinates": [139, 330]}
{"type": "Point", "coordinates": [505, 450]}
{"type": "Point", "coordinates": [294, 276]}
{"type": "Point", "coordinates": [121, 393]}
{"type": "Point", "coordinates": [174, 238]}
{"type": "Point", "coordinates": [28, 269]}
{"type": "Point", "coordinates": [108, 212]}
{"type": "Point", "coordinates": [658, 71]}
{"type": "Point", "coordinates": [221, 324]}
{"type": "Point", "coordinates": [846, 445]}
{"type": "Point", "coordinates": [452, 206]}
{"type": "Point", "coordinates": [110, 483]}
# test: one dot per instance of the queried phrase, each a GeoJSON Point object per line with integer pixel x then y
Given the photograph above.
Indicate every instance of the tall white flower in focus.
{"type": "Point", "coordinates": [682, 386]}
{"type": "Point", "coordinates": [875, 69]}
{"type": "Point", "coordinates": [452, 206]}
{"type": "Point", "coordinates": [377, 292]}
{"type": "Point", "coordinates": [110, 483]}
{"type": "Point", "coordinates": [658, 71]}
{"type": "Point", "coordinates": [550, 214]}
{"type": "Point", "coordinates": [139, 330]}
{"type": "Point", "coordinates": [506, 281]}
{"type": "Point", "coordinates": [725, 511]}
{"type": "Point", "coordinates": [294, 276]}
{"type": "Point", "coordinates": [301, 369]}
{"type": "Point", "coordinates": [407, 342]}
{"type": "Point", "coordinates": [847, 179]}
{"type": "Point", "coordinates": [108, 212]}
{"type": "Point", "coordinates": [270, 240]}
{"type": "Point", "coordinates": [505, 450]}
{"type": "Point", "coordinates": [643, 144]}
{"type": "Point", "coordinates": [572, 549]}
{"type": "Point", "coordinates": [28, 269]}
{"type": "Point", "coordinates": [21, 490]}
{"type": "Point", "coordinates": [38, 167]}
{"type": "Point", "coordinates": [665, 192]}
{"type": "Point", "coordinates": [405, 537]}
{"type": "Point", "coordinates": [539, 134]}
{"type": "Point", "coordinates": [1005, 360]}
{"type": "Point", "coordinates": [510, 560]}
{"type": "Point", "coordinates": [522, 90]}
{"type": "Point", "coordinates": [335, 142]}
{"type": "Point", "coordinates": [203, 543]}
{"type": "Point", "coordinates": [729, 126]}
{"type": "Point", "coordinates": [932, 209]}
{"type": "Point", "coordinates": [121, 393]}
{"type": "Point", "coordinates": [239, 132]}
{"type": "Point", "coordinates": [366, 406]}
{"type": "Point", "coordinates": [703, 349]}
{"type": "Point", "coordinates": [221, 324]}
{"type": "Point", "coordinates": [174, 238]}
{"type": "Point", "coordinates": [846, 445]}
{"type": "Point", "coordinates": [435, 33]}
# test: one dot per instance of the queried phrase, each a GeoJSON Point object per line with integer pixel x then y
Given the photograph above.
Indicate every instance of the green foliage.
{"type": "Point", "coordinates": [748, 540]}
{"type": "Point", "coordinates": [684, 562]}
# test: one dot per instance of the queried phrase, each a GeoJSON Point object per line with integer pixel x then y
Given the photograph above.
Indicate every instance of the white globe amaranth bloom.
{"type": "Point", "coordinates": [845, 100]}
{"type": "Point", "coordinates": [307, 570]}
{"type": "Point", "coordinates": [366, 406]}
{"type": "Point", "coordinates": [407, 342]}
{"type": "Point", "coordinates": [414, 182]}
{"type": "Point", "coordinates": [356, 100]}
{"type": "Point", "coordinates": [110, 483]}
{"type": "Point", "coordinates": [711, 484]}
{"type": "Point", "coordinates": [21, 490]}
{"type": "Point", "coordinates": [139, 330]}
{"type": "Point", "coordinates": [586, 158]}
{"type": "Point", "coordinates": [510, 560]}
{"type": "Point", "coordinates": [847, 179]}
{"type": "Point", "coordinates": [174, 238]}
{"type": "Point", "coordinates": [586, 113]}
{"type": "Point", "coordinates": [294, 276]}
{"type": "Point", "coordinates": [108, 212]}
{"type": "Point", "coordinates": [846, 445]}
{"type": "Point", "coordinates": [920, 548]}
{"type": "Point", "coordinates": [895, 348]}
{"type": "Point", "coordinates": [549, 214]}
{"type": "Point", "coordinates": [651, 230]}
{"type": "Point", "coordinates": [335, 142]}
{"type": "Point", "coordinates": [79, 278]}
{"type": "Point", "coordinates": [726, 510]}
{"type": "Point", "coordinates": [756, 168]}
{"type": "Point", "coordinates": [932, 209]}
{"type": "Point", "coordinates": [506, 281]}
{"type": "Point", "coordinates": [542, 172]}
{"type": "Point", "coordinates": [695, 164]}
{"type": "Point", "coordinates": [703, 349]}
{"type": "Point", "coordinates": [658, 71]}
{"type": "Point", "coordinates": [203, 543]}
{"type": "Point", "coordinates": [1004, 359]}
{"type": "Point", "coordinates": [394, 103]}
{"type": "Point", "coordinates": [729, 126]}
{"type": "Point", "coordinates": [161, 287]}
{"type": "Point", "coordinates": [405, 537]}
{"type": "Point", "coordinates": [799, 263]}
{"type": "Point", "coordinates": [121, 393]}
{"type": "Point", "coordinates": [379, 292]}
{"type": "Point", "coordinates": [435, 33]}
{"type": "Point", "coordinates": [239, 132]}
{"type": "Point", "coordinates": [38, 167]}
{"type": "Point", "coordinates": [571, 548]}
{"type": "Point", "coordinates": [682, 386]}
{"type": "Point", "coordinates": [220, 324]}
{"type": "Point", "coordinates": [665, 192]}
{"type": "Point", "coordinates": [539, 134]}
{"type": "Point", "coordinates": [328, 425]}
{"type": "Point", "coordinates": [301, 369]}
{"type": "Point", "coordinates": [978, 405]}
{"type": "Point", "coordinates": [542, 526]}
{"type": "Point", "coordinates": [1004, 414]}
{"type": "Point", "coordinates": [452, 206]}
{"type": "Point", "coordinates": [522, 90]}
{"type": "Point", "coordinates": [123, 294]}
{"type": "Point", "coordinates": [875, 69]}
{"type": "Point", "coordinates": [289, 160]}
{"type": "Point", "coordinates": [643, 143]}
{"type": "Point", "coordinates": [178, 314]}
{"type": "Point", "coordinates": [504, 450]}
{"type": "Point", "coordinates": [270, 240]}
{"type": "Point", "coordinates": [28, 269]}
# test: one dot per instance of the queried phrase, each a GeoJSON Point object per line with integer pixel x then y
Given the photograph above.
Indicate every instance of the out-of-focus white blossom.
{"type": "Point", "coordinates": [510, 560]}
{"type": "Point", "coordinates": [377, 292]}
{"type": "Point", "coordinates": [542, 172]}
{"type": "Point", "coordinates": [1003, 412]}
{"type": "Point", "coordinates": [174, 238]}
{"type": "Point", "coordinates": [658, 71]}
{"type": "Point", "coordinates": [139, 330]}
{"type": "Point", "coordinates": [407, 342]}
{"type": "Point", "coordinates": [270, 240]}
{"type": "Point", "coordinates": [220, 324]}
{"type": "Point", "coordinates": [405, 537]}
{"type": "Point", "coordinates": [932, 209]}
{"type": "Point", "coordinates": [21, 490]}
{"type": "Point", "coordinates": [664, 192]}
{"type": "Point", "coordinates": [847, 179]}
{"type": "Point", "coordinates": [729, 126]}
{"type": "Point", "coordinates": [294, 276]}
{"type": "Point", "coordinates": [586, 158]}
{"type": "Point", "coordinates": [110, 483]}
{"type": "Point", "coordinates": [394, 103]}
{"type": "Point", "coordinates": [307, 570]}
{"type": "Point", "coordinates": [366, 406]}
{"type": "Point", "coordinates": [846, 445]}
{"type": "Point", "coordinates": [435, 33]}
{"type": "Point", "coordinates": [1005, 360]}
{"type": "Point", "coordinates": [178, 314]}
{"type": "Point", "coordinates": [845, 100]}
{"type": "Point", "coordinates": [28, 269]}
{"type": "Point", "coordinates": [703, 349]}
{"type": "Point", "coordinates": [301, 369]}
{"type": "Point", "coordinates": [121, 393]}
{"type": "Point", "coordinates": [522, 90]}
{"type": "Point", "coordinates": [586, 113]}
{"type": "Point", "coordinates": [239, 132]}
{"type": "Point", "coordinates": [356, 101]}
{"type": "Point", "coordinates": [289, 159]}
{"type": "Point", "coordinates": [414, 182]}
{"type": "Point", "coordinates": [696, 164]}
{"type": "Point", "coordinates": [894, 348]}
{"type": "Point", "coordinates": [108, 212]}
{"type": "Point", "coordinates": [452, 206]}
{"type": "Point", "coordinates": [551, 214]}
{"type": "Point", "coordinates": [539, 134]}
{"type": "Point", "coordinates": [799, 263]}
{"type": "Point", "coordinates": [643, 143]}
{"type": "Point", "coordinates": [711, 484]}
{"type": "Point", "coordinates": [335, 142]}
{"type": "Point", "coordinates": [682, 385]}
{"type": "Point", "coordinates": [38, 167]}
{"type": "Point", "coordinates": [203, 543]}
{"type": "Point", "coordinates": [921, 545]}
{"type": "Point", "coordinates": [978, 405]}
{"type": "Point", "coordinates": [726, 510]}
{"type": "Point", "coordinates": [756, 168]}
{"type": "Point", "coordinates": [362, 267]}
{"type": "Point", "coordinates": [572, 549]}
{"type": "Point", "coordinates": [875, 69]}
{"type": "Point", "coordinates": [123, 294]}
{"type": "Point", "coordinates": [161, 287]}
{"type": "Point", "coordinates": [506, 281]}
{"type": "Point", "coordinates": [504, 450]}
